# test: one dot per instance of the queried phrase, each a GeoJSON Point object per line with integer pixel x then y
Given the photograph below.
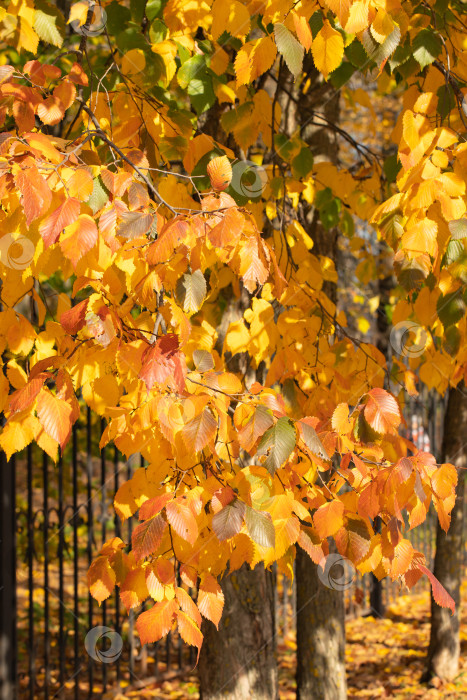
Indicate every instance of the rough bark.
{"type": "Point", "coordinates": [320, 636]}
{"type": "Point", "coordinates": [238, 662]}
{"type": "Point", "coordinates": [444, 648]}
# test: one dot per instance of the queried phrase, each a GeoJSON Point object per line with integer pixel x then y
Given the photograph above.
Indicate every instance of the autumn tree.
{"type": "Point", "coordinates": [132, 230]}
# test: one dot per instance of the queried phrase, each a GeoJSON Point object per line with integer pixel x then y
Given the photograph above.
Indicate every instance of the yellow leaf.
{"type": "Point", "coordinates": [327, 49]}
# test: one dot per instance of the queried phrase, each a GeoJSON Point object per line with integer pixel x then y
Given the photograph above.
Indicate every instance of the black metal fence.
{"type": "Point", "coordinates": [55, 641]}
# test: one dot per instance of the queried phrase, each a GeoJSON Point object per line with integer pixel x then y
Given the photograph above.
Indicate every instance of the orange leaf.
{"type": "Point", "coordinates": [35, 193]}
{"type": "Point", "coordinates": [228, 230]}
{"type": "Point", "coordinates": [153, 506]}
{"type": "Point", "coordinates": [62, 217]}
{"type": "Point", "coordinates": [328, 519]}
{"type": "Point", "coordinates": [79, 238]}
{"type": "Point", "coordinates": [101, 579]}
{"type": "Point", "coordinates": [155, 623]}
{"type": "Point", "coordinates": [188, 605]}
{"type": "Point", "coordinates": [189, 631]}
{"type": "Point", "coordinates": [23, 398]}
{"type": "Point", "coordinates": [440, 594]}
{"type": "Point", "coordinates": [220, 172]}
{"type": "Point", "coordinates": [211, 599]}
{"type": "Point", "coordinates": [182, 520]}
{"type": "Point", "coordinates": [382, 411]}
{"type": "Point", "coordinates": [75, 318]}
{"type": "Point", "coordinates": [55, 416]}
{"type": "Point", "coordinates": [147, 536]}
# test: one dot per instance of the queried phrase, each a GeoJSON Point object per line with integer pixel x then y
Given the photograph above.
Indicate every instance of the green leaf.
{"type": "Point", "coordinates": [316, 23]}
{"type": "Point", "coordinates": [201, 93]}
{"type": "Point", "coordinates": [99, 195]}
{"type": "Point", "coordinates": [450, 308]}
{"type": "Point", "coordinates": [49, 24]}
{"type": "Point", "coordinates": [458, 229]}
{"type": "Point", "coordinates": [342, 75]}
{"type": "Point", "coordinates": [153, 9]}
{"type": "Point", "coordinates": [190, 70]}
{"type": "Point", "coordinates": [303, 163]}
{"type": "Point", "coordinates": [292, 51]}
{"type": "Point", "coordinates": [454, 251]}
{"type": "Point", "coordinates": [356, 54]}
{"type": "Point", "coordinates": [157, 31]}
{"type": "Point", "coordinates": [452, 340]}
{"type": "Point", "coordinates": [260, 527]}
{"type": "Point", "coordinates": [280, 442]}
{"type": "Point", "coordinates": [391, 167]}
{"type": "Point", "coordinates": [426, 47]}
{"type": "Point", "coordinates": [191, 290]}
{"type": "Point", "coordinates": [137, 8]}
{"type": "Point", "coordinates": [118, 16]}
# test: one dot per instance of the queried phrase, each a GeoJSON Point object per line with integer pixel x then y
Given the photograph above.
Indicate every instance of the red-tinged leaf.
{"type": "Point", "coordinates": [168, 240]}
{"type": "Point", "coordinates": [62, 217]}
{"type": "Point", "coordinates": [133, 590]}
{"type": "Point", "coordinates": [54, 416]}
{"type": "Point", "coordinates": [153, 506]}
{"type": "Point", "coordinates": [147, 536]}
{"type": "Point", "coordinates": [101, 579]}
{"type": "Point", "coordinates": [329, 518]}
{"type": "Point", "coordinates": [24, 397]}
{"type": "Point", "coordinates": [369, 503]}
{"type": "Point", "coordinates": [79, 238]}
{"type": "Point", "coordinates": [228, 522]}
{"type": "Point", "coordinates": [382, 411]}
{"type": "Point", "coordinates": [228, 230]}
{"type": "Point", "coordinates": [211, 599]}
{"type": "Point", "coordinates": [189, 631]}
{"type": "Point", "coordinates": [188, 605]}
{"type": "Point", "coordinates": [316, 552]}
{"type": "Point", "coordinates": [75, 318]}
{"type": "Point", "coordinates": [199, 430]}
{"type": "Point", "coordinates": [440, 594]}
{"type": "Point", "coordinates": [260, 421]}
{"type": "Point", "coordinates": [36, 196]}
{"type": "Point", "coordinates": [155, 623]}
{"type": "Point", "coordinates": [51, 110]}
{"type": "Point", "coordinates": [182, 520]}
{"type": "Point", "coordinates": [253, 267]}
{"type": "Point", "coordinates": [163, 361]}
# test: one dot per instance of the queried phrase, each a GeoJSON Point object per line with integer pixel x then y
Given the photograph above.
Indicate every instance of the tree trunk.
{"type": "Point", "coordinates": [320, 636]}
{"type": "Point", "coordinates": [444, 649]}
{"type": "Point", "coordinates": [238, 661]}
{"type": "Point", "coordinates": [320, 610]}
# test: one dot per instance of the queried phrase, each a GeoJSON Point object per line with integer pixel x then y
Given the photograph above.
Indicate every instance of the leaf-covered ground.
{"type": "Point", "coordinates": [384, 659]}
